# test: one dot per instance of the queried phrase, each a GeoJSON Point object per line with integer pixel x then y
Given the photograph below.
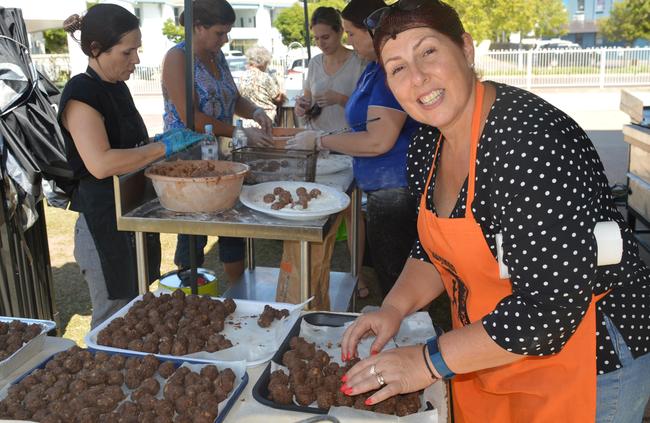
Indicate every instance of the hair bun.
{"type": "Point", "coordinates": [72, 23]}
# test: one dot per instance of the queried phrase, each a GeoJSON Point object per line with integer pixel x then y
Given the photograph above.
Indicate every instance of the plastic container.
{"type": "Point", "coordinates": [223, 409]}
{"type": "Point", "coordinates": [29, 349]}
{"type": "Point", "coordinates": [239, 138]}
{"type": "Point", "coordinates": [180, 279]}
{"type": "Point", "coordinates": [199, 186]}
{"type": "Point", "coordinates": [209, 146]}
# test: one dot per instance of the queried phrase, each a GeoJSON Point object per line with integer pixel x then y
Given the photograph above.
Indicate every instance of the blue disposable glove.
{"type": "Point", "coordinates": [178, 139]}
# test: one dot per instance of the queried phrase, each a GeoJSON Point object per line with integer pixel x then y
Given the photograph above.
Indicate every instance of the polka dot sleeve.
{"type": "Point", "coordinates": [546, 207]}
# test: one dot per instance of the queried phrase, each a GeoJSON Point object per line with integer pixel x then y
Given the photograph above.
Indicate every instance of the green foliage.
{"type": "Point", "coordinates": [56, 41]}
{"type": "Point", "coordinates": [495, 19]}
{"type": "Point", "coordinates": [291, 21]}
{"type": "Point", "coordinates": [552, 18]}
{"type": "Point", "coordinates": [173, 32]}
{"type": "Point", "coordinates": [475, 17]}
{"type": "Point", "coordinates": [628, 21]}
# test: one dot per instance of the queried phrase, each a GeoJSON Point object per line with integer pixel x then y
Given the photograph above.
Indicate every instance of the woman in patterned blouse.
{"type": "Point", "coordinates": [555, 337]}
{"type": "Point", "coordinates": [216, 100]}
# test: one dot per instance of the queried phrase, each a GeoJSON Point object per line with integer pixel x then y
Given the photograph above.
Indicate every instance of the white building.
{"type": "Point", "coordinates": [253, 25]}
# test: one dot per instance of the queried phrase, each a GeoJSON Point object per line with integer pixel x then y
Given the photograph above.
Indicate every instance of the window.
{"type": "Point", "coordinates": [580, 8]}
{"type": "Point", "coordinates": [600, 6]}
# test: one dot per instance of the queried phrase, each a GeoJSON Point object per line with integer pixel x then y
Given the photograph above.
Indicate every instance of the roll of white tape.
{"type": "Point", "coordinates": [609, 242]}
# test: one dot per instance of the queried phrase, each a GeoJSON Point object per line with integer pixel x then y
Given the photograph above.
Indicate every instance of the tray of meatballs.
{"type": "Point", "coordinates": [79, 385]}
{"type": "Point", "coordinates": [202, 328]}
{"type": "Point", "coordinates": [20, 339]}
{"type": "Point", "coordinates": [294, 200]}
{"type": "Point", "coordinates": [305, 374]}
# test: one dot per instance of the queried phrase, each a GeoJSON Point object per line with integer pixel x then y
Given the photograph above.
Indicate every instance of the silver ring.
{"type": "Point", "coordinates": [373, 370]}
{"type": "Point", "coordinates": [380, 379]}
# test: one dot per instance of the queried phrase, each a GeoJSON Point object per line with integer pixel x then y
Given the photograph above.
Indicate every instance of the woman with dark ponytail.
{"type": "Point", "coordinates": [105, 136]}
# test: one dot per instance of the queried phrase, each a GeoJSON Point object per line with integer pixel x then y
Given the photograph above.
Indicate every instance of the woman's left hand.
{"type": "Point", "coordinates": [260, 116]}
{"type": "Point", "coordinates": [327, 98]}
{"type": "Point", "coordinates": [403, 371]}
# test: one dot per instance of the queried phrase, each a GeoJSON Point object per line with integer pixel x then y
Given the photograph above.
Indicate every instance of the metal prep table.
{"type": "Point", "coordinates": [139, 210]}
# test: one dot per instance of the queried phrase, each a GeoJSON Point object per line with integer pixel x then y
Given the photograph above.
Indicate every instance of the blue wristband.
{"type": "Point", "coordinates": [437, 360]}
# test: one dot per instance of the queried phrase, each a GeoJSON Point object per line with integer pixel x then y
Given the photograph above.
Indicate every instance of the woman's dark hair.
{"type": "Point", "coordinates": [210, 12]}
{"type": "Point", "coordinates": [434, 14]}
{"type": "Point", "coordinates": [102, 27]}
{"type": "Point", "coordinates": [327, 16]}
{"type": "Point", "coordinates": [358, 10]}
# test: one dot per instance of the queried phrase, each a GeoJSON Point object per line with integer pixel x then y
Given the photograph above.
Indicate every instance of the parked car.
{"type": "Point", "coordinates": [552, 53]}
{"type": "Point", "coordinates": [237, 66]}
{"type": "Point", "coordinates": [295, 74]}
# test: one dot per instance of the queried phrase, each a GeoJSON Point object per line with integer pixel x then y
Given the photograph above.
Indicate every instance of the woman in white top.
{"type": "Point", "coordinates": [332, 76]}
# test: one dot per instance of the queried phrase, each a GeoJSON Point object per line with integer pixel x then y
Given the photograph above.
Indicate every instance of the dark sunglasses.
{"type": "Point", "coordinates": [373, 21]}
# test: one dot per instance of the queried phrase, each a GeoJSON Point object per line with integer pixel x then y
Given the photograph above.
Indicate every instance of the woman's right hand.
{"type": "Point", "coordinates": [383, 323]}
{"type": "Point", "coordinates": [302, 104]}
{"type": "Point", "coordinates": [258, 138]}
{"type": "Point", "coordinates": [178, 139]}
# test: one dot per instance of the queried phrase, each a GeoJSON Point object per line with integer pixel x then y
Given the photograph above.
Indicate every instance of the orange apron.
{"type": "Point", "coordinates": [557, 388]}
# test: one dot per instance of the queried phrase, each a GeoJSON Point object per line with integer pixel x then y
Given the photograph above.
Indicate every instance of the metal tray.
{"type": "Point", "coordinates": [236, 392]}
{"type": "Point", "coordinates": [273, 164]}
{"type": "Point", "coordinates": [261, 390]}
{"type": "Point", "coordinates": [245, 306]}
{"type": "Point", "coordinates": [29, 349]}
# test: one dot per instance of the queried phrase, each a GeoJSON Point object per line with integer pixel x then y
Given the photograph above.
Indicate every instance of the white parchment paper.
{"type": "Point", "coordinates": [250, 342]}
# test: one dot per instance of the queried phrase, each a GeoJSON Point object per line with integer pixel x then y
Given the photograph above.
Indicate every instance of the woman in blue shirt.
{"type": "Point", "coordinates": [379, 150]}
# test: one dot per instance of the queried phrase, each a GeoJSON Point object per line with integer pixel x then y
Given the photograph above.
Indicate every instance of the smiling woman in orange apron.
{"type": "Point", "coordinates": [540, 333]}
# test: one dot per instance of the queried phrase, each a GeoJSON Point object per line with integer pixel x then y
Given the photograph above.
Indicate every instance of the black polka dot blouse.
{"type": "Point", "coordinates": [540, 183]}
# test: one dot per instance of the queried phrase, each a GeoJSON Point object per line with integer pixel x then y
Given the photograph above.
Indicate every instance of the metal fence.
{"type": "Point", "coordinates": [598, 67]}
{"type": "Point", "coordinates": [601, 67]}
{"type": "Point", "coordinates": [55, 66]}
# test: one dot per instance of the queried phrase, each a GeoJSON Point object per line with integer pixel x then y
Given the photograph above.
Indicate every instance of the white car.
{"type": "Point", "coordinates": [237, 66]}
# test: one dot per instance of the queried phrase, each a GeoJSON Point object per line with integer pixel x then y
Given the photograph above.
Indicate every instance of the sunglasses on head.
{"type": "Point", "coordinates": [374, 20]}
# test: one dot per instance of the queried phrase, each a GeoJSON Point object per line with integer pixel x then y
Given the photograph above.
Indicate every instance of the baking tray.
{"type": "Point", "coordinates": [29, 349]}
{"type": "Point", "coordinates": [261, 352]}
{"type": "Point", "coordinates": [261, 388]}
{"type": "Point", "coordinates": [236, 392]}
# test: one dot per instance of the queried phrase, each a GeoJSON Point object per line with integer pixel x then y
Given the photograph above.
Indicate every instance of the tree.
{"type": "Point", "coordinates": [629, 20]}
{"type": "Point", "coordinates": [475, 17]}
{"type": "Point", "coordinates": [173, 32]}
{"type": "Point", "coordinates": [552, 18]}
{"type": "Point", "coordinates": [291, 21]}
{"type": "Point", "coordinates": [56, 41]}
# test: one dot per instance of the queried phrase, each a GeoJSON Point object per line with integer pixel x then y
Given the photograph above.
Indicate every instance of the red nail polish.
{"type": "Point", "coordinates": [342, 357]}
{"type": "Point", "coordinates": [348, 391]}
{"type": "Point", "coordinates": [373, 353]}
{"type": "Point", "coordinates": [344, 378]}
{"type": "Point", "coordinates": [368, 401]}
{"type": "Point", "coordinates": [344, 388]}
